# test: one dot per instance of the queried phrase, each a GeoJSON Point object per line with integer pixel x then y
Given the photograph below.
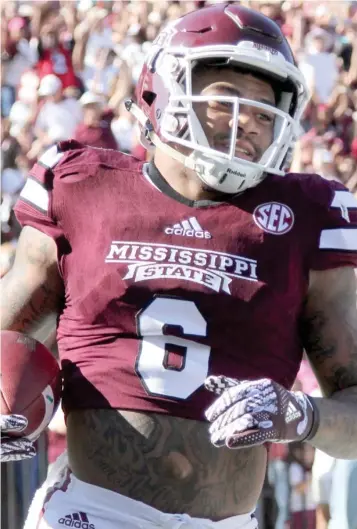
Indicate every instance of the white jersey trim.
{"type": "Point", "coordinates": [36, 194]}
{"type": "Point", "coordinates": [51, 157]}
{"type": "Point", "coordinates": [339, 239]}
{"type": "Point", "coordinates": [344, 198]}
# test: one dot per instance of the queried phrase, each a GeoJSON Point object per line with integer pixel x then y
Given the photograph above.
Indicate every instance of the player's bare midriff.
{"type": "Point", "coordinates": [166, 462]}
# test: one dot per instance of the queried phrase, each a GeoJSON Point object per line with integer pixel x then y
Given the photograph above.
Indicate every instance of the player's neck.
{"type": "Point", "coordinates": [184, 181]}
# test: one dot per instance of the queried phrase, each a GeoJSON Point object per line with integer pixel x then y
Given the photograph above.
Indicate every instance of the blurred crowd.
{"type": "Point", "coordinates": [66, 68]}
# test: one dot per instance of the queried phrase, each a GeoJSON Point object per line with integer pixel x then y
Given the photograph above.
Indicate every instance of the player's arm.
{"type": "Point", "coordinates": [251, 412]}
{"type": "Point", "coordinates": [32, 290]}
{"type": "Point", "coordinates": [329, 331]}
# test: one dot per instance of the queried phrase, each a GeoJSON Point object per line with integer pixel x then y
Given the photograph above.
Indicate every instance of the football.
{"type": "Point", "coordinates": [30, 382]}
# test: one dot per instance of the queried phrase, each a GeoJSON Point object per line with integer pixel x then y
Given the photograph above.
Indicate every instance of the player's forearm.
{"type": "Point", "coordinates": [27, 311]}
{"type": "Point", "coordinates": [32, 290]}
{"type": "Point", "coordinates": [329, 334]}
{"type": "Point", "coordinates": [17, 308]}
{"type": "Point", "coordinates": [337, 431]}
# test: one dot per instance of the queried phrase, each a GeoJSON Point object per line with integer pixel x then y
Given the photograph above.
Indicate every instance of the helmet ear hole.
{"type": "Point", "coordinates": [149, 97]}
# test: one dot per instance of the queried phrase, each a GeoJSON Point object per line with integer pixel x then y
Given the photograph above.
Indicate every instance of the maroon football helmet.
{"type": "Point", "coordinates": [224, 35]}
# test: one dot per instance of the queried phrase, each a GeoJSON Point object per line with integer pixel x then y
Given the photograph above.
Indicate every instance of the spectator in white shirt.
{"type": "Point", "coordinates": [323, 64]}
{"type": "Point", "coordinates": [302, 506]}
{"type": "Point", "coordinates": [57, 118]}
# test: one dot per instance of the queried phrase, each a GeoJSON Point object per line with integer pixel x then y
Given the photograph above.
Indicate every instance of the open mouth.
{"type": "Point", "coordinates": [243, 150]}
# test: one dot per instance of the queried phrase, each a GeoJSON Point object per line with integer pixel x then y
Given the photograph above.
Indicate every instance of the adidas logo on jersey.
{"type": "Point", "coordinates": [79, 520]}
{"type": "Point", "coordinates": [188, 228]}
{"type": "Point", "coordinates": [292, 413]}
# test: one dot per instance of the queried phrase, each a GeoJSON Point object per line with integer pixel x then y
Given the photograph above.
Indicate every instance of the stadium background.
{"type": "Point", "coordinates": [66, 68]}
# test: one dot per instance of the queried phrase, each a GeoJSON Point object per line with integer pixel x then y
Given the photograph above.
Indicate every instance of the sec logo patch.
{"type": "Point", "coordinates": [274, 217]}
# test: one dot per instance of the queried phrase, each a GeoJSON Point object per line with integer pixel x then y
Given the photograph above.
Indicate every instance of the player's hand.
{"type": "Point", "coordinates": [250, 413]}
{"type": "Point", "coordinates": [14, 448]}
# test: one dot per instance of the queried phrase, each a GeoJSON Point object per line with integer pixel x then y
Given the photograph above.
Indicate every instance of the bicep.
{"type": "Point", "coordinates": [329, 328]}
{"type": "Point", "coordinates": [33, 288]}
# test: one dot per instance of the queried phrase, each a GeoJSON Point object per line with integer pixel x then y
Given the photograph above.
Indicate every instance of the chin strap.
{"type": "Point", "coordinates": [154, 138]}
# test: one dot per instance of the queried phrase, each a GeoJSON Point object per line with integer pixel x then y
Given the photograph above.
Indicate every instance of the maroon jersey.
{"type": "Point", "coordinates": [162, 291]}
{"type": "Point", "coordinates": [57, 61]}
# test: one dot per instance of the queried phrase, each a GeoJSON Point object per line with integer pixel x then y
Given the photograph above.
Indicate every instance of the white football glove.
{"type": "Point", "coordinates": [253, 412]}
{"type": "Point", "coordinates": [14, 448]}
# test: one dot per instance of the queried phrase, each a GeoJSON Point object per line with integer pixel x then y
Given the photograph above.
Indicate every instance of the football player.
{"type": "Point", "coordinates": [187, 288]}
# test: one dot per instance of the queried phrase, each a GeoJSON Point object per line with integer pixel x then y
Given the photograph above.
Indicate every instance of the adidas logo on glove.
{"type": "Point", "coordinates": [292, 413]}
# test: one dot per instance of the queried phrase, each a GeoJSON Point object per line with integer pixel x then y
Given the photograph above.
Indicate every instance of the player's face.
{"type": "Point", "coordinates": [255, 125]}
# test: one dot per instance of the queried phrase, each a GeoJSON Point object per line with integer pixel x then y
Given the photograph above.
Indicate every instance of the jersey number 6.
{"type": "Point", "coordinates": [168, 365]}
